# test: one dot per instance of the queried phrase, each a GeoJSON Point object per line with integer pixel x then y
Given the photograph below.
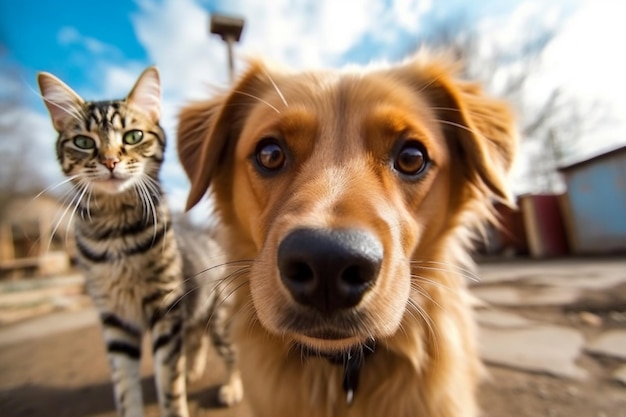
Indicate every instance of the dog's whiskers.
{"type": "Point", "coordinates": [460, 126]}
{"type": "Point", "coordinates": [432, 282]}
{"type": "Point", "coordinates": [257, 98]}
{"type": "Point", "coordinates": [446, 267]}
{"type": "Point", "coordinates": [249, 309]}
{"type": "Point", "coordinates": [430, 325]}
{"type": "Point", "coordinates": [228, 281]}
{"type": "Point", "coordinates": [447, 109]}
{"type": "Point", "coordinates": [186, 281]}
{"type": "Point", "coordinates": [421, 291]}
{"type": "Point", "coordinates": [280, 93]}
{"type": "Point", "coordinates": [218, 300]}
{"type": "Point", "coordinates": [238, 263]}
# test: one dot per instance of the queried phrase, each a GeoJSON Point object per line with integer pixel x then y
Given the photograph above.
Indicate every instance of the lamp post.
{"type": "Point", "coordinates": [229, 29]}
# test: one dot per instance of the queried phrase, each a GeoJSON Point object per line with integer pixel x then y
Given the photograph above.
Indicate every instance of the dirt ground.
{"type": "Point", "coordinates": [66, 375]}
{"type": "Point", "coordinates": [514, 393]}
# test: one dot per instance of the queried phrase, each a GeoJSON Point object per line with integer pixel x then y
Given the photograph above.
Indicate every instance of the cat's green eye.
{"type": "Point", "coordinates": [132, 137]}
{"type": "Point", "coordinates": [84, 142]}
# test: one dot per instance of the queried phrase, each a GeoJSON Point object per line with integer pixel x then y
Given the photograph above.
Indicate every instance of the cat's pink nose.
{"type": "Point", "coordinates": [110, 163]}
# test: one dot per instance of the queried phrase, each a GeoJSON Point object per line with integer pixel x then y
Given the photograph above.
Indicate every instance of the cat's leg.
{"type": "Point", "coordinates": [169, 361]}
{"type": "Point", "coordinates": [230, 393]}
{"type": "Point", "coordinates": [123, 344]}
{"type": "Point", "coordinates": [197, 349]}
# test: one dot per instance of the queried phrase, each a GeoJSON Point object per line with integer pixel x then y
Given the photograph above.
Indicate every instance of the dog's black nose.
{"type": "Point", "coordinates": [329, 270]}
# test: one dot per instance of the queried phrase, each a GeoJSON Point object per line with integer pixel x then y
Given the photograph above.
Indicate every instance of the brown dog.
{"type": "Point", "coordinates": [353, 195]}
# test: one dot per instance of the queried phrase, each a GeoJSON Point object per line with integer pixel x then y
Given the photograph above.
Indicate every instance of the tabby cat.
{"type": "Point", "coordinates": [140, 274]}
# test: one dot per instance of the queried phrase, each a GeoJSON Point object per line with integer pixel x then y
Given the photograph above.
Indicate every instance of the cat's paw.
{"type": "Point", "coordinates": [231, 393]}
{"type": "Point", "coordinates": [195, 367]}
{"type": "Point", "coordinates": [196, 359]}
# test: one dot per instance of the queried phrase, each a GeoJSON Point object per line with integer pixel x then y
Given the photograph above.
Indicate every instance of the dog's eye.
{"type": "Point", "coordinates": [270, 156]}
{"type": "Point", "coordinates": [412, 159]}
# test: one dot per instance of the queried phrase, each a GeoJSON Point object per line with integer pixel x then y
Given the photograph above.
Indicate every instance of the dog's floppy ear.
{"type": "Point", "coordinates": [481, 127]}
{"type": "Point", "coordinates": [208, 130]}
{"type": "Point", "coordinates": [194, 125]}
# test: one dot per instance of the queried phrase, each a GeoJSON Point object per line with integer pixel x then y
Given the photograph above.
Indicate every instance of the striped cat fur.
{"type": "Point", "coordinates": [143, 273]}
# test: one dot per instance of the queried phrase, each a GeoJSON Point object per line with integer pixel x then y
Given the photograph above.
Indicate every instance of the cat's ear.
{"type": "Point", "coordinates": [62, 102]}
{"type": "Point", "coordinates": [146, 94]}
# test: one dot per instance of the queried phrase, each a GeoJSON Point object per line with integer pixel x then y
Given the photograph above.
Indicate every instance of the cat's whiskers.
{"type": "Point", "coordinates": [88, 205]}
{"type": "Point", "coordinates": [72, 111]}
{"type": "Point", "coordinates": [86, 186]}
{"type": "Point", "coordinates": [153, 185]}
{"type": "Point", "coordinates": [75, 199]}
{"type": "Point", "coordinates": [153, 189]}
{"type": "Point", "coordinates": [44, 191]}
{"type": "Point", "coordinates": [142, 200]}
{"type": "Point", "coordinates": [145, 195]}
{"type": "Point", "coordinates": [54, 187]}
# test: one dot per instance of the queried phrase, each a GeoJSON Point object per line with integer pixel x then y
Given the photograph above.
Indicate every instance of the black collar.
{"type": "Point", "coordinates": [352, 362]}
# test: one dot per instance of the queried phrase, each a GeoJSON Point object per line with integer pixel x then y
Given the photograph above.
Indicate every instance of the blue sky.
{"type": "Point", "coordinates": [65, 38]}
{"type": "Point", "coordinates": [100, 48]}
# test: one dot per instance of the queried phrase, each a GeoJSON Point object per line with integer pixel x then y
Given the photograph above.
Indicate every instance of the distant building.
{"type": "Point", "coordinates": [29, 243]}
{"type": "Point", "coordinates": [596, 203]}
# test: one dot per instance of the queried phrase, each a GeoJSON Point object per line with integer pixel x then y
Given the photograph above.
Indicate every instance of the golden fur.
{"type": "Point", "coordinates": [339, 130]}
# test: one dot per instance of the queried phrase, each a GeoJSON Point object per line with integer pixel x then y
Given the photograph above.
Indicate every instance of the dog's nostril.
{"type": "Point", "coordinates": [298, 272]}
{"type": "Point", "coordinates": [353, 276]}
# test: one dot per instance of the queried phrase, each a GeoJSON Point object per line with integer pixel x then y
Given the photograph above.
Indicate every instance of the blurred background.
{"type": "Point", "coordinates": [559, 63]}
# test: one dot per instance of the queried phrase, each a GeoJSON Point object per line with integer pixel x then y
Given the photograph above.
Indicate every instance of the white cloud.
{"type": "Point", "coordinates": [69, 35]}
{"type": "Point", "coordinates": [578, 61]}
{"type": "Point", "coordinates": [299, 34]}
{"type": "Point", "coordinates": [110, 74]}
{"type": "Point", "coordinates": [309, 33]}
{"type": "Point", "coordinates": [117, 80]}
{"type": "Point", "coordinates": [304, 33]}
{"type": "Point", "coordinates": [584, 60]}
{"type": "Point", "coordinates": [175, 35]}
{"type": "Point", "coordinates": [408, 13]}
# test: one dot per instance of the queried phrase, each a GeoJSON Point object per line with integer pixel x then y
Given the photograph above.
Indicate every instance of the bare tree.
{"type": "Point", "coordinates": [551, 121]}
{"type": "Point", "coordinates": [18, 167]}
